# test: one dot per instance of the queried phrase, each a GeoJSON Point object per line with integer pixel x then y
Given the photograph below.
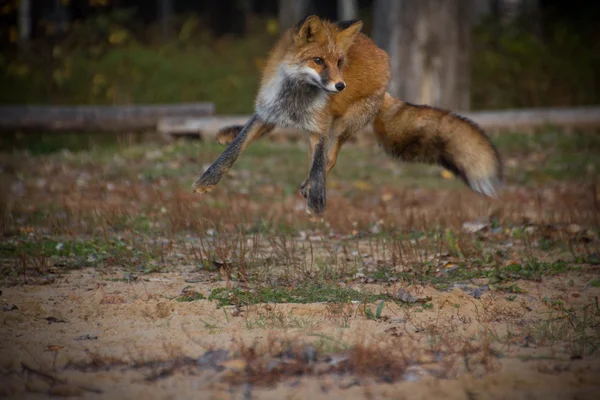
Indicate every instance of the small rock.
{"type": "Point", "coordinates": [87, 336]}
{"type": "Point", "coordinates": [404, 296]}
{"type": "Point", "coordinates": [309, 354]}
{"type": "Point", "coordinates": [212, 359]}
{"type": "Point", "coordinates": [321, 368]}
{"type": "Point", "coordinates": [9, 307]}
{"type": "Point", "coordinates": [273, 365]}
{"type": "Point", "coordinates": [350, 383]}
{"type": "Point", "coordinates": [337, 359]}
{"type": "Point", "coordinates": [414, 373]}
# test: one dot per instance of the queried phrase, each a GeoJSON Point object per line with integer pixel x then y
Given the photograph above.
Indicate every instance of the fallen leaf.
{"type": "Point", "coordinates": [237, 364]}
{"type": "Point", "coordinates": [474, 226]}
{"type": "Point", "coordinates": [446, 174]}
{"type": "Point", "coordinates": [112, 299]}
{"type": "Point", "coordinates": [449, 267]}
{"type": "Point", "coordinates": [386, 197]}
{"type": "Point", "coordinates": [363, 185]}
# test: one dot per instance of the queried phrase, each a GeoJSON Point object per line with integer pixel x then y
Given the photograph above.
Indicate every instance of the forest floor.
{"type": "Point", "coordinates": [117, 282]}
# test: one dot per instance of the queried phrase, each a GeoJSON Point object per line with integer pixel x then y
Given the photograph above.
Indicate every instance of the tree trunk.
{"type": "Point", "coordinates": [428, 42]}
{"type": "Point", "coordinates": [525, 11]}
{"type": "Point", "coordinates": [347, 10]}
{"type": "Point", "coordinates": [226, 17]}
{"type": "Point", "coordinates": [24, 22]}
{"type": "Point", "coordinates": [483, 9]}
{"type": "Point", "coordinates": [61, 17]}
{"type": "Point", "coordinates": [292, 11]}
{"type": "Point", "coordinates": [165, 11]}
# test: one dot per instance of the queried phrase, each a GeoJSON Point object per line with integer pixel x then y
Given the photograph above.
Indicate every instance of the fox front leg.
{"type": "Point", "coordinates": [253, 129]}
{"type": "Point", "coordinates": [313, 187]}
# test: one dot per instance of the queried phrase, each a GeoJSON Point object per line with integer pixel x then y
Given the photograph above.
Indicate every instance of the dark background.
{"type": "Point", "coordinates": [518, 53]}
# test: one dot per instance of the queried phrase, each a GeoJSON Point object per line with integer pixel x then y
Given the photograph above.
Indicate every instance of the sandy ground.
{"type": "Point", "coordinates": [98, 246]}
{"type": "Point", "coordinates": [90, 335]}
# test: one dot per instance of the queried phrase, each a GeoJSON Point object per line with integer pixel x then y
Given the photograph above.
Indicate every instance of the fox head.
{"type": "Point", "coordinates": [320, 52]}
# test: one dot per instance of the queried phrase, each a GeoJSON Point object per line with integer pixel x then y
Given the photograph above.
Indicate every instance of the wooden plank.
{"type": "Point", "coordinates": [96, 118]}
{"type": "Point", "coordinates": [523, 119]}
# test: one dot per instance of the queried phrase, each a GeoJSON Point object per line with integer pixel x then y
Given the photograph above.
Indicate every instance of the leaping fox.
{"type": "Point", "coordinates": [329, 80]}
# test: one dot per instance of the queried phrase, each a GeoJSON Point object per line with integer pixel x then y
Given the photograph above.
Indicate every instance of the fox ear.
{"type": "Point", "coordinates": [347, 32]}
{"type": "Point", "coordinates": [309, 30]}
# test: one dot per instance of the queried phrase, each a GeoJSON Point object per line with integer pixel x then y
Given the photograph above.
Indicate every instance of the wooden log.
{"type": "Point", "coordinates": [524, 120]}
{"type": "Point", "coordinates": [207, 127]}
{"type": "Point", "coordinates": [96, 118]}
{"type": "Point", "coordinates": [536, 118]}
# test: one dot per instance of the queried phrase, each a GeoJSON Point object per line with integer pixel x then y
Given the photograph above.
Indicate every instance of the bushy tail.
{"type": "Point", "coordinates": [227, 134]}
{"type": "Point", "coordinates": [415, 133]}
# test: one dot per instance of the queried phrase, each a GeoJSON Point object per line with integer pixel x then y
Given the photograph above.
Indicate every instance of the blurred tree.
{"type": "Point", "coordinates": [55, 16]}
{"type": "Point", "coordinates": [165, 11]}
{"type": "Point", "coordinates": [228, 16]}
{"type": "Point", "coordinates": [24, 22]}
{"type": "Point", "coordinates": [509, 12]}
{"type": "Point", "coordinates": [347, 10]}
{"type": "Point", "coordinates": [428, 42]}
{"type": "Point", "coordinates": [292, 11]}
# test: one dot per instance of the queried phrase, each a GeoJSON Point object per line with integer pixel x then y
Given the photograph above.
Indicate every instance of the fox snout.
{"type": "Point", "coordinates": [335, 87]}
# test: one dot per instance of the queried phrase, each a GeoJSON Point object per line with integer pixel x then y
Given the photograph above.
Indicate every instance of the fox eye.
{"type": "Point", "coordinates": [318, 60]}
{"type": "Point", "coordinates": [340, 62]}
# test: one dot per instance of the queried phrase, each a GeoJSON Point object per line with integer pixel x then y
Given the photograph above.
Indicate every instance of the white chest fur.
{"type": "Point", "coordinates": [288, 100]}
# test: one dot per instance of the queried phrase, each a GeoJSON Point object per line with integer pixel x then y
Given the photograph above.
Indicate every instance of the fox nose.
{"type": "Point", "coordinates": [340, 86]}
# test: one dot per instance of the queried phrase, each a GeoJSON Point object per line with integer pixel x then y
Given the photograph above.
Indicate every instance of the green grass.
{"type": "Point", "coordinates": [529, 159]}
{"type": "Point", "coordinates": [307, 293]}
{"type": "Point", "coordinates": [73, 254]}
{"type": "Point", "coordinates": [510, 68]}
{"type": "Point", "coordinates": [225, 74]}
{"type": "Point", "coordinates": [53, 248]}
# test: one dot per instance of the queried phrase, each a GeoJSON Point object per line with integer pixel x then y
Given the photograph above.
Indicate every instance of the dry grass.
{"type": "Point", "coordinates": [410, 275]}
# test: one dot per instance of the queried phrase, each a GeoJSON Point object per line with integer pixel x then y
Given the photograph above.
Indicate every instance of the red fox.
{"type": "Point", "coordinates": [329, 80]}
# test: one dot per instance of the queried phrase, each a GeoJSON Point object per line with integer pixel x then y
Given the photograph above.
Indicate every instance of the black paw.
{"type": "Point", "coordinates": [316, 198]}
{"type": "Point", "coordinates": [207, 181]}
